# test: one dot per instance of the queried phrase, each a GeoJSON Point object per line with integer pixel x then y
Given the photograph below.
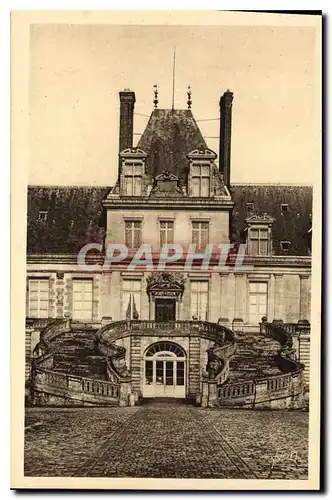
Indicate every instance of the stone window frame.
{"type": "Point", "coordinates": [131, 278]}
{"type": "Point", "coordinates": [132, 157]}
{"type": "Point", "coordinates": [201, 157]}
{"type": "Point", "coordinates": [68, 293]}
{"type": "Point", "coordinates": [163, 220]}
{"type": "Point", "coordinates": [258, 279]}
{"type": "Point", "coordinates": [42, 216]}
{"type": "Point", "coordinates": [133, 219]}
{"type": "Point", "coordinates": [200, 220]}
{"type": "Point", "coordinates": [200, 279]}
{"type": "Point", "coordinates": [87, 279]}
{"type": "Point", "coordinates": [52, 291]}
{"type": "Point", "coordinates": [133, 164]}
{"type": "Point", "coordinates": [285, 245]}
{"type": "Point", "coordinates": [259, 222]}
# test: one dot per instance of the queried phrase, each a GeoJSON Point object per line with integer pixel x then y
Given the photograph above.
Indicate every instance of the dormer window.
{"type": "Point", "coordinates": [285, 245]}
{"type": "Point", "coordinates": [42, 216]}
{"type": "Point", "coordinates": [200, 176]}
{"type": "Point", "coordinates": [259, 234]}
{"type": "Point", "coordinates": [200, 180]}
{"type": "Point", "coordinates": [133, 173]}
{"type": "Point", "coordinates": [259, 241]}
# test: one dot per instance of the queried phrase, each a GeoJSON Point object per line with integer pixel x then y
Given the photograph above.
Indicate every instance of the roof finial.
{"type": "Point", "coordinates": [173, 78]}
{"type": "Point", "coordinates": [155, 102]}
{"type": "Point", "coordinates": [189, 102]}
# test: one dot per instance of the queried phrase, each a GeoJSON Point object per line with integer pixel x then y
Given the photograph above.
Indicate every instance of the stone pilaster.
{"type": "Point", "coordinates": [136, 375]}
{"type": "Point", "coordinates": [279, 309]}
{"type": "Point", "coordinates": [60, 291]}
{"type": "Point", "coordinates": [224, 298]}
{"type": "Point", "coordinates": [96, 298]}
{"type": "Point", "coordinates": [106, 294]}
{"type": "Point", "coordinates": [240, 296]}
{"type": "Point", "coordinates": [194, 366]}
{"type": "Point", "coordinates": [52, 312]}
{"type": "Point", "coordinates": [304, 297]}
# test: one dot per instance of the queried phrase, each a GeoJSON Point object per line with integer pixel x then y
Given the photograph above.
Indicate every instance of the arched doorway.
{"type": "Point", "coordinates": [164, 371]}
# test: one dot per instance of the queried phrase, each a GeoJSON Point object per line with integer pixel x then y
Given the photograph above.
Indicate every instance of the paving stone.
{"type": "Point", "coordinates": [165, 440]}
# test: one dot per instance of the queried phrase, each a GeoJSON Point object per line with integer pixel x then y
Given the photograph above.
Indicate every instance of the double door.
{"type": "Point", "coordinates": [164, 377]}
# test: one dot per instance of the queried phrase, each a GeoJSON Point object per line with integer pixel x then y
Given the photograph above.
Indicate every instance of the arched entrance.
{"type": "Point", "coordinates": [164, 371]}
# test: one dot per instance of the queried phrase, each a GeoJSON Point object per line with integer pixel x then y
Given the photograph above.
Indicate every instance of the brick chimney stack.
{"type": "Point", "coordinates": [225, 136]}
{"type": "Point", "coordinates": [127, 103]}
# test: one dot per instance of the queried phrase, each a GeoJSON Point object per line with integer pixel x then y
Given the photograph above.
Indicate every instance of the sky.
{"type": "Point", "coordinates": [77, 71]}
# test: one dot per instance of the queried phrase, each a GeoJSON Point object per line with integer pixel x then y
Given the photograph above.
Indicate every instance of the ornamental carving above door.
{"type": "Point", "coordinates": [165, 285]}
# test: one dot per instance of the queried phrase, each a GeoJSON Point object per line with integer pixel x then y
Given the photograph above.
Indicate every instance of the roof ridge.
{"type": "Point", "coordinates": [68, 186]}
{"type": "Point", "coordinates": [288, 184]}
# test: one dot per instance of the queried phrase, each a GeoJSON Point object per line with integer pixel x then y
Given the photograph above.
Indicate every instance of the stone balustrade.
{"type": "Point", "coordinates": [219, 333]}
{"type": "Point", "coordinates": [280, 391]}
{"type": "Point", "coordinates": [59, 387]}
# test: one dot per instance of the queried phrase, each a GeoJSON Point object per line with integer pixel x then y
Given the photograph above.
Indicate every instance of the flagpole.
{"type": "Point", "coordinates": [173, 79]}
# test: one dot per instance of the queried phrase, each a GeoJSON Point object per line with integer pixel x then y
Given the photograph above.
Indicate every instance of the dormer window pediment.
{"type": "Point", "coordinates": [132, 171]}
{"type": "Point", "coordinates": [259, 231]}
{"type": "Point", "coordinates": [201, 163]}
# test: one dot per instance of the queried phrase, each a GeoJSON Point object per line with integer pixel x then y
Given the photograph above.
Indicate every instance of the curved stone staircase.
{"type": "Point", "coordinates": [74, 364]}
{"type": "Point", "coordinates": [254, 358]}
{"type": "Point", "coordinates": [78, 355]}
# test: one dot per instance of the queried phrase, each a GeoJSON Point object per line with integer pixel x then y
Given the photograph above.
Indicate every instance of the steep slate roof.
{"type": "Point", "coordinates": [169, 136]}
{"type": "Point", "coordinates": [290, 226]}
{"type": "Point", "coordinates": [74, 217]}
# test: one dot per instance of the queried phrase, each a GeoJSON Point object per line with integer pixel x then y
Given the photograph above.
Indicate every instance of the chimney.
{"type": "Point", "coordinates": [127, 102]}
{"type": "Point", "coordinates": [225, 136]}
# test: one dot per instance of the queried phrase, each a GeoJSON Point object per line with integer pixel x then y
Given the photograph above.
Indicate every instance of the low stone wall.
{"type": "Point", "coordinates": [54, 388]}
{"type": "Point", "coordinates": [279, 392]}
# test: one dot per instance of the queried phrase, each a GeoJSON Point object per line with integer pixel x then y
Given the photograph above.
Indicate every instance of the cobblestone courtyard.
{"type": "Point", "coordinates": [166, 440]}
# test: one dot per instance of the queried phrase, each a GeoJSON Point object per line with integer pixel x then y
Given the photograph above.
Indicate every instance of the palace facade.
{"type": "Point", "coordinates": [198, 327]}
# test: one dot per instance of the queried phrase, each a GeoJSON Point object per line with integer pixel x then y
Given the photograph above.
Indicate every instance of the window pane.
{"type": "Point", "coordinates": [137, 186]}
{"type": "Point", "coordinates": [205, 186]}
{"type": "Point", "coordinates": [254, 233]}
{"type": "Point", "coordinates": [254, 247]}
{"type": "Point", "coordinates": [138, 169]}
{"type": "Point", "coordinates": [263, 247]}
{"type": "Point", "coordinates": [137, 237]}
{"type": "Point", "coordinates": [148, 372]}
{"type": "Point", "coordinates": [205, 170]}
{"type": "Point", "coordinates": [195, 186]}
{"type": "Point", "coordinates": [82, 299]}
{"type": "Point", "coordinates": [128, 186]}
{"type": "Point", "coordinates": [196, 170]}
{"type": "Point", "coordinates": [195, 236]}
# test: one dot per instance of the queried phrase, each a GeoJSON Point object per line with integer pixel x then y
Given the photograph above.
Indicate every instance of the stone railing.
{"type": "Point", "coordinates": [278, 332]}
{"type": "Point", "coordinates": [279, 391]}
{"type": "Point", "coordinates": [218, 332]}
{"type": "Point", "coordinates": [58, 388]}
{"type": "Point", "coordinates": [55, 328]}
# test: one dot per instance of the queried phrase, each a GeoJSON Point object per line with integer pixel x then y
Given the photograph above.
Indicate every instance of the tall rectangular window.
{"type": "Point", "coordinates": [82, 299]}
{"type": "Point", "coordinates": [259, 241]}
{"type": "Point", "coordinates": [199, 298]}
{"type": "Point", "coordinates": [133, 233]}
{"type": "Point", "coordinates": [131, 299]}
{"type": "Point", "coordinates": [257, 302]}
{"type": "Point", "coordinates": [200, 178]}
{"type": "Point", "coordinates": [200, 233]}
{"type": "Point", "coordinates": [39, 291]}
{"type": "Point", "coordinates": [133, 179]}
{"type": "Point", "coordinates": [166, 232]}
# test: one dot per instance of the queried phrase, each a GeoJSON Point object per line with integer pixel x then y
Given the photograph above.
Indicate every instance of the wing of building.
{"type": "Point", "coordinates": [170, 277]}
